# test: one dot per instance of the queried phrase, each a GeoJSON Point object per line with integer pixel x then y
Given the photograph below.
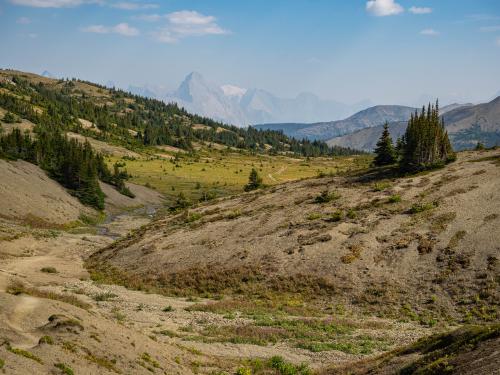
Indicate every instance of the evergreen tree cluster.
{"type": "Point", "coordinates": [73, 164]}
{"type": "Point", "coordinates": [425, 144]}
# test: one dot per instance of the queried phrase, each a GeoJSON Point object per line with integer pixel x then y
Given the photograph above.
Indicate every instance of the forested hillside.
{"type": "Point", "coordinates": [133, 121]}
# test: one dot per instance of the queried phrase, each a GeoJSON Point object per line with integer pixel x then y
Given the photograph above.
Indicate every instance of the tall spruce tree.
{"type": "Point", "coordinates": [254, 181]}
{"type": "Point", "coordinates": [426, 143]}
{"type": "Point", "coordinates": [385, 153]}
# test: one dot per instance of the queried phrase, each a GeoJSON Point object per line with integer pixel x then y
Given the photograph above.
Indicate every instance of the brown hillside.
{"type": "Point", "coordinates": [431, 255]}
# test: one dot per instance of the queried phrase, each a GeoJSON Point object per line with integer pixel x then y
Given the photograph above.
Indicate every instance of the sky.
{"type": "Point", "coordinates": [386, 51]}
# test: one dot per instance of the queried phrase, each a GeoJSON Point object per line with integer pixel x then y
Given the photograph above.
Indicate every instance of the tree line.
{"type": "Point", "coordinates": [154, 122]}
{"type": "Point", "coordinates": [74, 165]}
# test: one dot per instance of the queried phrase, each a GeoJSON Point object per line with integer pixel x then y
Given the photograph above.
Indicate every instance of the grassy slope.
{"type": "Point", "coordinates": [226, 172]}
{"type": "Point", "coordinates": [468, 350]}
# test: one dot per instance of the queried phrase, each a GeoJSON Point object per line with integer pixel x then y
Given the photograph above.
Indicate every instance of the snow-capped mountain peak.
{"type": "Point", "coordinates": [231, 90]}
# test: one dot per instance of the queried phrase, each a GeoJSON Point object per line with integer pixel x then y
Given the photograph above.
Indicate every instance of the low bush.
{"type": "Point", "coordinates": [104, 296]}
{"type": "Point", "coordinates": [396, 198]}
{"type": "Point", "coordinates": [335, 216]}
{"type": "Point", "coordinates": [48, 270]}
{"type": "Point", "coordinates": [381, 186]}
{"type": "Point", "coordinates": [65, 369]}
{"type": "Point", "coordinates": [421, 207]}
{"type": "Point", "coordinates": [326, 197]}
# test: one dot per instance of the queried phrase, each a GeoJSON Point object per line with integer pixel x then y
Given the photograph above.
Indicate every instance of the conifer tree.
{"type": "Point", "coordinates": [385, 153]}
{"type": "Point", "coordinates": [254, 181]}
{"type": "Point", "coordinates": [426, 143]}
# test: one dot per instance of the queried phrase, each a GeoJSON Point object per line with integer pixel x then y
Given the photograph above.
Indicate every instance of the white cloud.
{"type": "Point", "coordinates": [133, 6]}
{"type": "Point", "coordinates": [183, 24]}
{"type": "Point", "coordinates": [382, 8]}
{"type": "Point", "coordinates": [420, 10]}
{"type": "Point", "coordinates": [121, 29]}
{"type": "Point", "coordinates": [489, 29]}
{"type": "Point", "coordinates": [48, 3]}
{"type": "Point", "coordinates": [429, 32]}
{"type": "Point", "coordinates": [23, 21]}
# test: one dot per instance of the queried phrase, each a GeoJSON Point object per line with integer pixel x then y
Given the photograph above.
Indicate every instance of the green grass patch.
{"type": "Point", "coordinates": [17, 288]}
{"type": "Point", "coordinates": [46, 340]}
{"type": "Point", "coordinates": [65, 369]}
{"type": "Point", "coordinates": [314, 216]}
{"type": "Point", "coordinates": [104, 296]}
{"type": "Point", "coordinates": [396, 198]}
{"type": "Point", "coordinates": [224, 172]}
{"type": "Point", "coordinates": [326, 196]}
{"type": "Point", "coordinates": [24, 353]}
{"type": "Point", "coordinates": [274, 365]}
{"type": "Point", "coordinates": [422, 207]}
{"type": "Point", "coordinates": [381, 186]}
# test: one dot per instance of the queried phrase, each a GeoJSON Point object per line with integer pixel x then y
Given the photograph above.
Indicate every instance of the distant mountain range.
{"type": "Point", "coordinates": [467, 124]}
{"type": "Point", "coordinates": [326, 130]}
{"type": "Point", "coordinates": [354, 126]}
{"type": "Point", "coordinates": [239, 106]}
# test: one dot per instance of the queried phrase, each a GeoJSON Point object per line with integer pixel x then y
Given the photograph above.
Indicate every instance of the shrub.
{"type": "Point", "coordinates": [193, 217]}
{"type": "Point", "coordinates": [10, 118]}
{"type": "Point", "coordinates": [48, 270]}
{"type": "Point", "coordinates": [244, 371]}
{"type": "Point", "coordinates": [24, 353]}
{"type": "Point", "coordinates": [181, 203]}
{"type": "Point", "coordinates": [285, 368]}
{"type": "Point", "coordinates": [396, 198]}
{"type": "Point", "coordinates": [381, 186]}
{"type": "Point", "coordinates": [480, 146]}
{"type": "Point", "coordinates": [336, 216]}
{"type": "Point", "coordinates": [313, 216]}
{"type": "Point", "coordinates": [421, 207]}
{"type": "Point", "coordinates": [168, 309]}
{"type": "Point", "coordinates": [233, 214]}
{"type": "Point", "coordinates": [208, 196]}
{"type": "Point", "coordinates": [326, 197]}
{"type": "Point", "coordinates": [46, 340]}
{"type": "Point", "coordinates": [105, 296]}
{"type": "Point", "coordinates": [65, 369]}
{"type": "Point", "coordinates": [352, 214]}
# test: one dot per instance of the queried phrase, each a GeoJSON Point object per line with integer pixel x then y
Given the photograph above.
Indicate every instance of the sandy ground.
{"type": "Point", "coordinates": [26, 192]}
{"type": "Point", "coordinates": [381, 258]}
{"type": "Point", "coordinates": [103, 147]}
{"type": "Point", "coordinates": [138, 332]}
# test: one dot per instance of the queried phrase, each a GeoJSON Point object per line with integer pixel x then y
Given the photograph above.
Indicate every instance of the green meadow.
{"type": "Point", "coordinates": [225, 172]}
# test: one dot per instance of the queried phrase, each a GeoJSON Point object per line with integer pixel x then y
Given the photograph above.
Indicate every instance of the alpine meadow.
{"type": "Point", "coordinates": [250, 188]}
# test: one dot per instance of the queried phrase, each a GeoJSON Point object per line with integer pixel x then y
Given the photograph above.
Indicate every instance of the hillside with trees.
{"type": "Point", "coordinates": [134, 121]}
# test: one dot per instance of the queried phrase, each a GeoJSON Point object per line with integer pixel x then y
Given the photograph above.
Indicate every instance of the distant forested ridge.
{"type": "Point", "coordinates": [134, 121]}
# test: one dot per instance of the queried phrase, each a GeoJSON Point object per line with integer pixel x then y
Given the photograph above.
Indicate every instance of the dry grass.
{"type": "Point", "coordinates": [17, 287]}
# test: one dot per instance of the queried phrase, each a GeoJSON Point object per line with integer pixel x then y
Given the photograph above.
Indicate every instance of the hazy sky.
{"type": "Point", "coordinates": [389, 51]}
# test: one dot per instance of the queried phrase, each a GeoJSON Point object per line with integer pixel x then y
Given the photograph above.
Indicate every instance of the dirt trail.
{"type": "Point", "coordinates": [282, 169]}
{"type": "Point", "coordinates": [18, 321]}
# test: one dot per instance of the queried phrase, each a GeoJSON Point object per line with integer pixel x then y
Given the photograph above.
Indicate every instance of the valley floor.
{"type": "Point", "coordinates": [54, 318]}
